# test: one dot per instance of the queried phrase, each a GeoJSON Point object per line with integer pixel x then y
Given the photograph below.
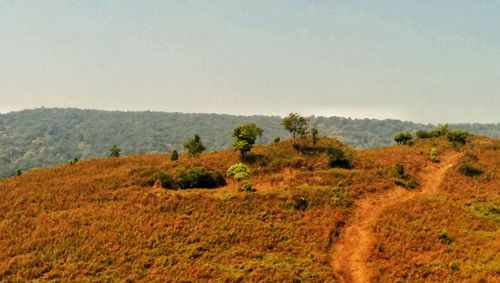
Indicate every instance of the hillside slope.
{"type": "Point", "coordinates": [43, 137]}
{"type": "Point", "coordinates": [108, 220]}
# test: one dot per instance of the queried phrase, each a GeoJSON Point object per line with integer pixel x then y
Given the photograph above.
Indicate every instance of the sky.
{"type": "Point", "coordinates": [422, 61]}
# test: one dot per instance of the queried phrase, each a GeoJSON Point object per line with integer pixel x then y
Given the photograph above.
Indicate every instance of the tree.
{"type": "Point", "coordinates": [244, 137]}
{"type": "Point", "coordinates": [174, 155]}
{"type": "Point", "coordinates": [314, 134]}
{"type": "Point", "coordinates": [296, 125]}
{"type": "Point", "coordinates": [403, 138]}
{"type": "Point", "coordinates": [114, 151]}
{"type": "Point", "coordinates": [194, 146]}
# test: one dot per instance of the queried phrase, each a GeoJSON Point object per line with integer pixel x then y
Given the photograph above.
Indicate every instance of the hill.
{"type": "Point", "coordinates": [43, 137]}
{"type": "Point", "coordinates": [109, 219]}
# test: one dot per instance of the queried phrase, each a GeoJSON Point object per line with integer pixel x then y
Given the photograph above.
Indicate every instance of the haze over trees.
{"type": "Point", "coordinates": [42, 137]}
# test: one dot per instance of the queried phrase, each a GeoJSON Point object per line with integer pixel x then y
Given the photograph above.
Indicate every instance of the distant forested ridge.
{"type": "Point", "coordinates": [42, 137]}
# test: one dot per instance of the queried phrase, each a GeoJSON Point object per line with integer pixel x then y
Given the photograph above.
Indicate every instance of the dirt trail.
{"type": "Point", "coordinates": [350, 254]}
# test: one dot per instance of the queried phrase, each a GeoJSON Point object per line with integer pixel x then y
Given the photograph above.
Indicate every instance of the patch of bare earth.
{"type": "Point", "coordinates": [351, 252]}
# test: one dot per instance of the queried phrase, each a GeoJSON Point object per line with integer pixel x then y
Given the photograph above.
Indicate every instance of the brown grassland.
{"type": "Point", "coordinates": [105, 220]}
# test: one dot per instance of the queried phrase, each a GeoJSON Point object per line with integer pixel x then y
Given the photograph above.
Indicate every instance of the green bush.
{"type": "Point", "coordinates": [114, 151]}
{"type": "Point", "coordinates": [434, 155]}
{"type": "Point", "coordinates": [337, 158]}
{"type": "Point", "coordinates": [277, 139]}
{"type": "Point", "coordinates": [165, 180]}
{"type": "Point", "coordinates": [457, 136]}
{"type": "Point", "coordinates": [453, 266]}
{"type": "Point", "coordinates": [399, 170]}
{"type": "Point", "coordinates": [174, 155]}
{"type": "Point", "coordinates": [423, 134]}
{"type": "Point", "coordinates": [403, 138]}
{"type": "Point", "coordinates": [238, 172]}
{"type": "Point", "coordinates": [444, 237]}
{"type": "Point", "coordinates": [380, 247]}
{"type": "Point", "coordinates": [197, 177]}
{"type": "Point", "coordinates": [440, 130]}
{"type": "Point", "coordinates": [469, 170]}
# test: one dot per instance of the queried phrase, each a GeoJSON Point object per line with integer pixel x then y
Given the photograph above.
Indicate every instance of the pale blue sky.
{"type": "Point", "coordinates": [425, 61]}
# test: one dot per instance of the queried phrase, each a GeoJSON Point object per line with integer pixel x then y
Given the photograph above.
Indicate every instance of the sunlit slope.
{"type": "Point", "coordinates": [108, 219]}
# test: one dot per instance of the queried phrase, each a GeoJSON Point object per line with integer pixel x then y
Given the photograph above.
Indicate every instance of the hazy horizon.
{"type": "Point", "coordinates": [425, 62]}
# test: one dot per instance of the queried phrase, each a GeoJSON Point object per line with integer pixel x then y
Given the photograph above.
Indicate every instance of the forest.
{"type": "Point", "coordinates": [38, 138]}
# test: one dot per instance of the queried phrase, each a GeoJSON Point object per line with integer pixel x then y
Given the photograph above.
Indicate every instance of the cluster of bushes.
{"type": "Point", "coordinates": [198, 177]}
{"type": "Point", "coordinates": [193, 177]}
{"type": "Point", "coordinates": [457, 136]}
{"type": "Point", "coordinates": [337, 158]}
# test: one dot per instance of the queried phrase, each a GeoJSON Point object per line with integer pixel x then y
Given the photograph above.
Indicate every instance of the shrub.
{"type": "Point", "coordinates": [277, 139]}
{"type": "Point", "coordinates": [299, 203]}
{"type": "Point", "coordinates": [434, 155]}
{"type": "Point", "coordinates": [74, 161]}
{"type": "Point", "coordinates": [466, 166]}
{"type": "Point", "coordinates": [469, 170]}
{"type": "Point", "coordinates": [423, 134]}
{"type": "Point", "coordinates": [194, 146]}
{"type": "Point", "coordinates": [165, 180]}
{"type": "Point", "coordinates": [403, 138]}
{"type": "Point", "coordinates": [453, 266]}
{"type": "Point", "coordinates": [399, 171]}
{"type": "Point", "coordinates": [114, 151]}
{"type": "Point", "coordinates": [440, 130]}
{"type": "Point", "coordinates": [380, 247]}
{"type": "Point", "coordinates": [174, 155]}
{"type": "Point", "coordinates": [338, 158]}
{"type": "Point", "coordinates": [219, 178]}
{"type": "Point", "coordinates": [457, 136]}
{"type": "Point", "coordinates": [197, 177]}
{"type": "Point", "coordinates": [19, 172]}
{"type": "Point", "coordinates": [238, 172]}
{"type": "Point", "coordinates": [247, 187]}
{"type": "Point", "coordinates": [444, 237]}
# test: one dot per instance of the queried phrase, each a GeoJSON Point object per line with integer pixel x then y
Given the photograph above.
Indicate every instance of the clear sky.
{"type": "Point", "coordinates": [425, 61]}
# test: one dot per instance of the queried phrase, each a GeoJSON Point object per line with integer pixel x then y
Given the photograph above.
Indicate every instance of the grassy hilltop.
{"type": "Point", "coordinates": [44, 137]}
{"type": "Point", "coordinates": [402, 215]}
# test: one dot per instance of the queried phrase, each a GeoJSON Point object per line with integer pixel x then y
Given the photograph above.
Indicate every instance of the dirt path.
{"type": "Point", "coordinates": [350, 254]}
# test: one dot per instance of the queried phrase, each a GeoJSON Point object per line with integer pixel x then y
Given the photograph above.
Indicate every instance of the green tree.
{"type": "Point", "coordinates": [244, 137]}
{"type": "Point", "coordinates": [114, 151]}
{"type": "Point", "coordinates": [296, 125]}
{"type": "Point", "coordinates": [314, 135]}
{"type": "Point", "coordinates": [194, 146]}
{"type": "Point", "coordinates": [174, 155]}
{"type": "Point", "coordinates": [403, 138]}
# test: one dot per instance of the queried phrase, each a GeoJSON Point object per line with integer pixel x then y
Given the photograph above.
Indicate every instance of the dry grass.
{"type": "Point", "coordinates": [102, 219]}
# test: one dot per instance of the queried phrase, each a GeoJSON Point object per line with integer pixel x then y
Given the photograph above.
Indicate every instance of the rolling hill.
{"type": "Point", "coordinates": [393, 216]}
{"type": "Point", "coordinates": [48, 136]}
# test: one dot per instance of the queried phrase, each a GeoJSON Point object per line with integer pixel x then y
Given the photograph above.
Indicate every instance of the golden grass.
{"type": "Point", "coordinates": [101, 220]}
